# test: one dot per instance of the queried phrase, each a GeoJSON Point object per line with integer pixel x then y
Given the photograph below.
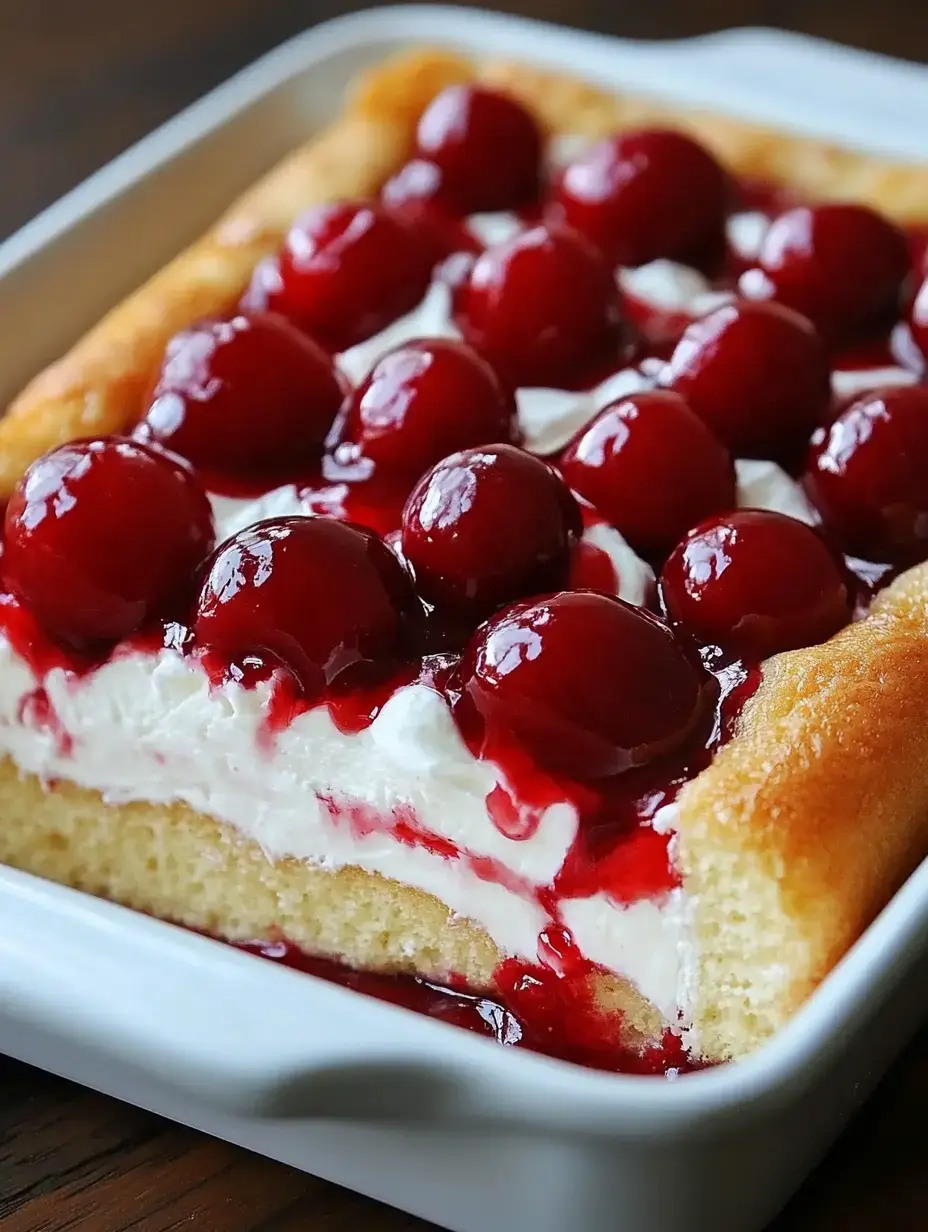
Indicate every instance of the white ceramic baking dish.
{"type": "Point", "coordinates": [418, 1114]}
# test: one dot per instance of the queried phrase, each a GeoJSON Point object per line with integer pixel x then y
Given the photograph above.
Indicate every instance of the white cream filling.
{"type": "Point", "coordinates": [635, 577]}
{"type": "Point", "coordinates": [665, 285]}
{"type": "Point", "coordinates": [232, 513]}
{"type": "Point", "coordinates": [746, 231]}
{"type": "Point", "coordinates": [489, 229]}
{"type": "Point", "coordinates": [764, 485]}
{"type": "Point", "coordinates": [647, 935]}
{"type": "Point", "coordinates": [150, 727]}
{"type": "Point", "coordinates": [847, 383]}
{"type": "Point", "coordinates": [430, 319]}
{"type": "Point", "coordinates": [550, 418]}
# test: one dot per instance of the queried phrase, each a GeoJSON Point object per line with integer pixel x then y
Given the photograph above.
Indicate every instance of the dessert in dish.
{"type": "Point", "coordinates": [493, 555]}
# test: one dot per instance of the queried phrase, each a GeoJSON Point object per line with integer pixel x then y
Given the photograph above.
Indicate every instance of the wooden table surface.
{"type": "Point", "coordinates": [80, 80]}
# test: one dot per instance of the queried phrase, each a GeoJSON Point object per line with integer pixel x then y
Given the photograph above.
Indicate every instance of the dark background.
{"type": "Point", "coordinates": [79, 81]}
{"type": "Point", "coordinates": [82, 79]}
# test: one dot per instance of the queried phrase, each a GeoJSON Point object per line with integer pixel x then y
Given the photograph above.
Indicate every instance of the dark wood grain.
{"type": "Point", "coordinates": [80, 80]}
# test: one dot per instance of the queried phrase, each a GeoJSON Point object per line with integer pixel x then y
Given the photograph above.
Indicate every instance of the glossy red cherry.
{"type": "Point", "coordinates": [868, 475]}
{"type": "Point", "coordinates": [486, 146]}
{"type": "Point", "coordinates": [346, 271]}
{"type": "Point", "coordinates": [326, 599]}
{"type": "Point", "coordinates": [416, 195]}
{"type": "Point", "coordinates": [102, 536]}
{"type": "Point", "coordinates": [842, 266]}
{"type": "Point", "coordinates": [486, 526]}
{"type": "Point", "coordinates": [652, 468]}
{"type": "Point", "coordinates": [757, 374]}
{"type": "Point", "coordinates": [542, 307]}
{"type": "Point", "coordinates": [643, 195]}
{"type": "Point", "coordinates": [755, 583]}
{"type": "Point", "coordinates": [247, 395]}
{"type": "Point", "coordinates": [918, 318]}
{"type": "Point", "coordinates": [424, 400]}
{"type": "Point", "coordinates": [589, 685]}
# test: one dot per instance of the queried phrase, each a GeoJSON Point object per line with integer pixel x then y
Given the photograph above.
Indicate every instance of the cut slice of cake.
{"type": "Point", "coordinates": [494, 556]}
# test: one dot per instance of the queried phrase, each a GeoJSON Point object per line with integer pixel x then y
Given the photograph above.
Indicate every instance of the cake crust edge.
{"type": "Point", "coordinates": [811, 817]}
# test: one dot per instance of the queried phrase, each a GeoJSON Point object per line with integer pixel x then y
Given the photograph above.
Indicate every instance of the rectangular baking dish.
{"type": "Point", "coordinates": [420, 1115]}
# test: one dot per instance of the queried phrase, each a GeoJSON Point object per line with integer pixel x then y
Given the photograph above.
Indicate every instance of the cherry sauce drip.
{"type": "Point", "coordinates": [548, 1006]}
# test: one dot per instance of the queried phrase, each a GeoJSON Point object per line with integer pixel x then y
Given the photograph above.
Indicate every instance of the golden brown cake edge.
{"type": "Point", "coordinates": [809, 819]}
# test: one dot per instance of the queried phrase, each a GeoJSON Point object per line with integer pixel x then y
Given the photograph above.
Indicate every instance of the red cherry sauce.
{"type": "Point", "coordinates": [592, 569]}
{"type": "Point", "coordinates": [547, 1006]}
{"type": "Point", "coordinates": [616, 850]}
{"type": "Point", "coordinates": [36, 710]}
{"type": "Point", "coordinates": [530, 1010]}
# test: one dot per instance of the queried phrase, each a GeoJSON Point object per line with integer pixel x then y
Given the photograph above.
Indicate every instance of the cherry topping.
{"type": "Point", "coordinates": [415, 194]}
{"type": "Point", "coordinates": [643, 195]}
{"type": "Point", "coordinates": [842, 266]}
{"type": "Point", "coordinates": [424, 400]}
{"type": "Point", "coordinates": [588, 684]}
{"type": "Point", "coordinates": [246, 395]}
{"type": "Point", "coordinates": [918, 318]}
{"type": "Point", "coordinates": [486, 526]}
{"type": "Point", "coordinates": [868, 475]}
{"type": "Point", "coordinates": [326, 599]}
{"type": "Point", "coordinates": [417, 182]}
{"type": "Point", "coordinates": [102, 536]}
{"type": "Point", "coordinates": [486, 146]}
{"type": "Point", "coordinates": [346, 271]}
{"type": "Point", "coordinates": [652, 468]}
{"type": "Point", "coordinates": [757, 374]}
{"type": "Point", "coordinates": [755, 583]}
{"type": "Point", "coordinates": [542, 307]}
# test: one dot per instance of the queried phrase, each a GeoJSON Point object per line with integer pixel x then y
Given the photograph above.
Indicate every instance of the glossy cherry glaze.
{"type": "Point", "coordinates": [548, 672]}
{"type": "Point", "coordinates": [652, 468]}
{"type": "Point", "coordinates": [550, 1010]}
{"type": "Point", "coordinates": [415, 195]}
{"type": "Point", "coordinates": [643, 195]}
{"type": "Point", "coordinates": [424, 400]}
{"type": "Point", "coordinates": [755, 583]}
{"type": "Point", "coordinates": [485, 146]}
{"type": "Point", "coordinates": [593, 569]}
{"type": "Point", "coordinates": [842, 266]}
{"type": "Point", "coordinates": [542, 307]}
{"type": "Point", "coordinates": [325, 599]}
{"type": "Point", "coordinates": [487, 526]}
{"type": "Point", "coordinates": [249, 395]}
{"type": "Point", "coordinates": [757, 374]}
{"type": "Point", "coordinates": [103, 536]}
{"type": "Point", "coordinates": [868, 474]}
{"type": "Point", "coordinates": [345, 272]}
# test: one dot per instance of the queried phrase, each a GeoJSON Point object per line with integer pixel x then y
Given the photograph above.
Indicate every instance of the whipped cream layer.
{"type": "Point", "coordinates": [152, 727]}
